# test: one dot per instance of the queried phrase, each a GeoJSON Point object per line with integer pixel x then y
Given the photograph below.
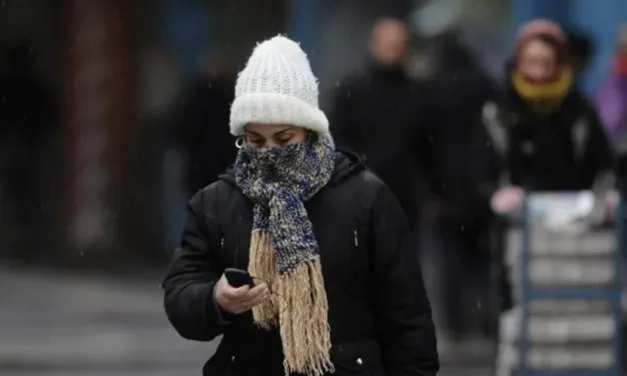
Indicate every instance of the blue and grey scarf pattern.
{"type": "Point", "coordinates": [279, 181]}
{"type": "Point", "coordinates": [283, 248]}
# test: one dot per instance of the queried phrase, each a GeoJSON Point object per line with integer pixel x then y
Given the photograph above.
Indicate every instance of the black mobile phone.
{"type": "Point", "coordinates": [238, 278]}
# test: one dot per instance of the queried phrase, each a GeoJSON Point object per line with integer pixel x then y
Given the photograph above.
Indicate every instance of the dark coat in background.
{"type": "Point", "coordinates": [200, 127]}
{"type": "Point", "coordinates": [29, 124]}
{"type": "Point", "coordinates": [379, 313]}
{"type": "Point", "coordinates": [27, 107]}
{"type": "Point", "coordinates": [381, 116]}
{"type": "Point", "coordinates": [459, 89]}
{"type": "Point", "coordinates": [458, 213]}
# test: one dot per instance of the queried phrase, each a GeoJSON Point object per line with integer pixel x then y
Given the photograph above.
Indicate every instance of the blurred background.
{"type": "Point", "coordinates": [112, 113]}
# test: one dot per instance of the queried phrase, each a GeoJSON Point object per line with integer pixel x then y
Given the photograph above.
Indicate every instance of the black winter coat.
{"type": "Point", "coordinates": [566, 151]}
{"type": "Point", "coordinates": [379, 313]}
{"type": "Point", "coordinates": [458, 92]}
{"type": "Point", "coordinates": [383, 116]}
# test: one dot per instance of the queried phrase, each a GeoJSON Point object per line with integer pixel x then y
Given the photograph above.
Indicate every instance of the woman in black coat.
{"type": "Point", "coordinates": [337, 287]}
{"type": "Point", "coordinates": [546, 134]}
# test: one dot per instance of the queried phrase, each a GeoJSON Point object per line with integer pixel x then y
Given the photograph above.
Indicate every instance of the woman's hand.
{"type": "Point", "coordinates": [507, 200]}
{"type": "Point", "coordinates": [239, 300]}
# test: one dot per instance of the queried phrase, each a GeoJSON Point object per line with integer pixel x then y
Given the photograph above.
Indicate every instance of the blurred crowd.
{"type": "Point", "coordinates": [455, 145]}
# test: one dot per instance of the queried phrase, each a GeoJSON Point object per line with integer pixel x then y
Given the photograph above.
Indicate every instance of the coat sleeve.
{"type": "Point", "coordinates": [403, 312]}
{"type": "Point", "coordinates": [600, 156]}
{"type": "Point", "coordinates": [193, 272]}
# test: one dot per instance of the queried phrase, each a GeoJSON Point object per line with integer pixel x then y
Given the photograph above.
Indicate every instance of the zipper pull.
{"type": "Point", "coordinates": [222, 243]}
{"type": "Point", "coordinates": [355, 238]}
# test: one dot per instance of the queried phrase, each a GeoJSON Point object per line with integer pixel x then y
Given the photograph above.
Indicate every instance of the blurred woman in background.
{"type": "Point", "coordinates": [548, 137]}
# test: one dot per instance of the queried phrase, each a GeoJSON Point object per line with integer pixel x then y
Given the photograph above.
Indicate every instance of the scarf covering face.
{"type": "Point", "coordinates": [544, 98]}
{"type": "Point", "coordinates": [283, 249]}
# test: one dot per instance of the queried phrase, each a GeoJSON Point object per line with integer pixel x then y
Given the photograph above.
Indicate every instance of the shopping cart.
{"type": "Point", "coordinates": [567, 316]}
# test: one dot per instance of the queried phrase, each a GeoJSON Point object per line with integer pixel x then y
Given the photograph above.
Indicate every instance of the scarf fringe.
{"type": "Point", "coordinates": [299, 307]}
{"type": "Point", "coordinates": [303, 315]}
{"type": "Point", "coordinates": [262, 265]}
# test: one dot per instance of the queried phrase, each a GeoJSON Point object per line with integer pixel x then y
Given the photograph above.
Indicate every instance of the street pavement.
{"type": "Point", "coordinates": [54, 324]}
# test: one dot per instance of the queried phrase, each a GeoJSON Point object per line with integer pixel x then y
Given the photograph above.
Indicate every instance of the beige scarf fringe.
{"type": "Point", "coordinates": [298, 305]}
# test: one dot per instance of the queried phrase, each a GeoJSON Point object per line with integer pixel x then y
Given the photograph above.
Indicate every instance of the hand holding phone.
{"type": "Point", "coordinates": [236, 292]}
{"type": "Point", "coordinates": [238, 278]}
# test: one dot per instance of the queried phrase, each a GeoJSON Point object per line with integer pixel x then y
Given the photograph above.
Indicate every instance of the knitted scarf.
{"type": "Point", "coordinates": [544, 98]}
{"type": "Point", "coordinates": [283, 249]}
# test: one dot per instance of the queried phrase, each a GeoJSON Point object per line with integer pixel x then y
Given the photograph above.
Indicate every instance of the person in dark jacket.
{"type": "Point", "coordinates": [378, 114]}
{"type": "Point", "coordinates": [338, 288]}
{"type": "Point", "coordinates": [459, 215]}
{"type": "Point", "coordinates": [28, 121]}
{"type": "Point", "coordinates": [548, 137]}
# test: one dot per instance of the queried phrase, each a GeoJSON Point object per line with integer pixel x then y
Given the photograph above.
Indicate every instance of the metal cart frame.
{"type": "Point", "coordinates": [530, 293]}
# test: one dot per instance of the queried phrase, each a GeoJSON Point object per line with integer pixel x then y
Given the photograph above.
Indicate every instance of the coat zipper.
{"type": "Point", "coordinates": [356, 238]}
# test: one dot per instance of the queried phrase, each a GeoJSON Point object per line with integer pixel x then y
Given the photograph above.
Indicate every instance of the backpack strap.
{"type": "Point", "coordinates": [498, 136]}
{"type": "Point", "coordinates": [494, 128]}
{"type": "Point", "coordinates": [579, 136]}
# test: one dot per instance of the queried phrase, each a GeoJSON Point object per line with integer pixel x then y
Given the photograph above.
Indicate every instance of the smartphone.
{"type": "Point", "coordinates": [238, 278]}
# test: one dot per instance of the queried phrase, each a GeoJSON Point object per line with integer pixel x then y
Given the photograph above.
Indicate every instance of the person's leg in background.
{"type": "Point", "coordinates": [18, 188]}
{"type": "Point", "coordinates": [464, 279]}
{"type": "Point", "coordinates": [478, 267]}
{"type": "Point", "coordinates": [454, 278]}
{"type": "Point", "coordinates": [29, 202]}
{"type": "Point", "coordinates": [444, 274]}
{"type": "Point", "coordinates": [7, 199]}
{"type": "Point", "coordinates": [430, 251]}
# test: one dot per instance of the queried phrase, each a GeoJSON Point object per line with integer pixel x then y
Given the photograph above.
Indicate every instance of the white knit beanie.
{"type": "Point", "coordinates": [277, 86]}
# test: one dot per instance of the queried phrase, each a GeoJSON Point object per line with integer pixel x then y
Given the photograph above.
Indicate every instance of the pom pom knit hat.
{"type": "Point", "coordinates": [277, 86]}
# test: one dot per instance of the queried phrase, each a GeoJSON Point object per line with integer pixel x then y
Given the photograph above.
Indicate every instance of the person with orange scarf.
{"type": "Point", "coordinates": [545, 133]}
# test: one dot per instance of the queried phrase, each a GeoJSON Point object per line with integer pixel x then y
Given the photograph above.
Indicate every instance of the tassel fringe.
{"type": "Point", "coordinates": [262, 265]}
{"type": "Point", "coordinates": [299, 307]}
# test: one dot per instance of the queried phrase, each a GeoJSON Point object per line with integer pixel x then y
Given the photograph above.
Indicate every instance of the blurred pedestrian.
{"type": "Point", "coordinates": [27, 119]}
{"type": "Point", "coordinates": [544, 134]}
{"type": "Point", "coordinates": [547, 135]}
{"type": "Point", "coordinates": [612, 105]}
{"type": "Point", "coordinates": [378, 113]}
{"type": "Point", "coordinates": [459, 215]}
{"type": "Point", "coordinates": [336, 287]}
{"type": "Point", "coordinates": [612, 95]}
{"type": "Point", "coordinates": [198, 127]}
